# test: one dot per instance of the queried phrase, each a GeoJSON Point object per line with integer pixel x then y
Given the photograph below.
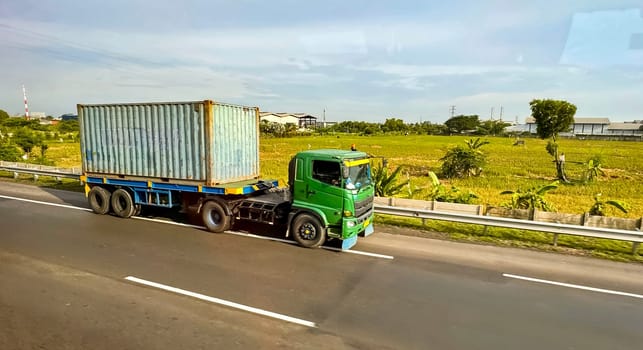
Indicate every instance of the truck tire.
{"type": "Point", "coordinates": [308, 231]}
{"type": "Point", "coordinates": [122, 203]}
{"type": "Point", "coordinates": [98, 199]}
{"type": "Point", "coordinates": [214, 217]}
{"type": "Point", "coordinates": [137, 209]}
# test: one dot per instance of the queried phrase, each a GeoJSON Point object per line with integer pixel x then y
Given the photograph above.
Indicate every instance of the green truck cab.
{"type": "Point", "coordinates": [332, 197]}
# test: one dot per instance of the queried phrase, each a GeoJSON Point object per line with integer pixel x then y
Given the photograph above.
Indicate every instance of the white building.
{"type": "Point", "coordinates": [302, 120]}
{"type": "Point", "coordinates": [628, 128]}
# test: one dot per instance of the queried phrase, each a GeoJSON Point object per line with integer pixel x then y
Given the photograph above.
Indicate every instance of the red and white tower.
{"type": "Point", "coordinates": [24, 93]}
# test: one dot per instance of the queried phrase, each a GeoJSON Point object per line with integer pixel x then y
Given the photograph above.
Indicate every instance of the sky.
{"type": "Point", "coordinates": [356, 60]}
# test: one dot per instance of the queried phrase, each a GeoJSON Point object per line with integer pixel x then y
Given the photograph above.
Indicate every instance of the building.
{"type": "Point", "coordinates": [628, 128]}
{"type": "Point", "coordinates": [68, 116]}
{"type": "Point", "coordinates": [302, 120]}
{"type": "Point", "coordinates": [37, 115]}
{"type": "Point", "coordinates": [581, 126]}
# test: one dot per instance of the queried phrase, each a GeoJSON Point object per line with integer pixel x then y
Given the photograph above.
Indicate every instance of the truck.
{"type": "Point", "coordinates": [202, 158]}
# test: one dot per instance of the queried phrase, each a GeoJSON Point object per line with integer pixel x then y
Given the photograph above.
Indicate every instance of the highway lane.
{"type": "Point", "coordinates": [416, 300]}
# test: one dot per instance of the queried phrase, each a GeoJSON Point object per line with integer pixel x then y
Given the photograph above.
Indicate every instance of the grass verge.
{"type": "Point", "coordinates": [567, 244]}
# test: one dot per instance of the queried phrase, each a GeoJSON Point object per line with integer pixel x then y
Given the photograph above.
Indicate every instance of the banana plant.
{"type": "Point", "coordinates": [387, 185]}
{"type": "Point", "coordinates": [475, 144]}
{"type": "Point", "coordinates": [599, 206]}
{"type": "Point", "coordinates": [593, 170]}
{"type": "Point", "coordinates": [440, 193]}
{"type": "Point", "coordinates": [532, 198]}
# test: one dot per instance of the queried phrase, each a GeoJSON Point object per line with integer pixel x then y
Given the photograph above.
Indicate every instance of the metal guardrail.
{"type": "Point", "coordinates": [43, 170]}
{"type": "Point", "coordinates": [635, 237]}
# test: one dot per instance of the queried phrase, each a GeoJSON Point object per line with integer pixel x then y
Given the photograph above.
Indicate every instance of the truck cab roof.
{"type": "Point", "coordinates": [333, 153]}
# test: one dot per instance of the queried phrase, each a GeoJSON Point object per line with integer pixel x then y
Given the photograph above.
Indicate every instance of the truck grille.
{"type": "Point", "coordinates": [363, 207]}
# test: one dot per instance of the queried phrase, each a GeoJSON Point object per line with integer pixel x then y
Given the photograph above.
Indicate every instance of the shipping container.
{"type": "Point", "coordinates": [201, 142]}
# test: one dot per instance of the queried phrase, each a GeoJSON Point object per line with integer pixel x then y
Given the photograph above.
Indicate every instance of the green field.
{"type": "Point", "coordinates": [508, 168]}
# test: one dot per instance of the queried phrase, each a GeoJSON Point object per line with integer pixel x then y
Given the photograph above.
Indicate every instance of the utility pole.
{"type": "Point", "coordinates": [501, 110]}
{"type": "Point", "coordinates": [452, 109]}
{"type": "Point", "coordinates": [491, 113]}
{"type": "Point", "coordinates": [24, 94]}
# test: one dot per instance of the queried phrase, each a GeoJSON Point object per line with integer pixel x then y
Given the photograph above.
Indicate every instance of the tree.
{"type": "Point", "coordinates": [26, 139]}
{"type": "Point", "coordinates": [462, 123]}
{"type": "Point", "coordinates": [66, 126]}
{"type": "Point", "coordinates": [492, 127]}
{"type": "Point", "coordinates": [9, 151]}
{"type": "Point", "coordinates": [461, 161]}
{"type": "Point", "coordinates": [429, 128]}
{"type": "Point", "coordinates": [553, 117]}
{"type": "Point", "coordinates": [394, 125]}
{"type": "Point", "coordinates": [3, 116]}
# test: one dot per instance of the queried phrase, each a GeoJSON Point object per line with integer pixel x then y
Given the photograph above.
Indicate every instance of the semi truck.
{"type": "Point", "coordinates": [202, 157]}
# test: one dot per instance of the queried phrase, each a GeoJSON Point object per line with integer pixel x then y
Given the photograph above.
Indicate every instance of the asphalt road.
{"type": "Point", "coordinates": [63, 286]}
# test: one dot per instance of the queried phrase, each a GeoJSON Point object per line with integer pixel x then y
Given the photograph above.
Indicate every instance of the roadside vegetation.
{"type": "Point", "coordinates": [425, 161]}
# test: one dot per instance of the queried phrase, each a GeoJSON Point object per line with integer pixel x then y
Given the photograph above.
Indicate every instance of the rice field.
{"type": "Point", "coordinates": [508, 168]}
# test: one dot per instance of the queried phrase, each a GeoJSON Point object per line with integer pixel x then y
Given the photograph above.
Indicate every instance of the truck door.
{"type": "Point", "coordinates": [324, 189]}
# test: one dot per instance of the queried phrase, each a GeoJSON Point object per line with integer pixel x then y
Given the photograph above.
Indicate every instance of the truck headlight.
{"type": "Point", "coordinates": [350, 224]}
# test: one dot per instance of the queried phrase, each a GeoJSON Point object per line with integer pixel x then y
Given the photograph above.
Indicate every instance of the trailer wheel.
{"type": "Point", "coordinates": [308, 231]}
{"type": "Point", "coordinates": [122, 203]}
{"type": "Point", "coordinates": [214, 217]}
{"type": "Point", "coordinates": [98, 199]}
{"type": "Point", "coordinates": [137, 209]}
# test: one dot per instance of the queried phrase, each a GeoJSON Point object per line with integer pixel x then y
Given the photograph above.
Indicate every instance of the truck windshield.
{"type": "Point", "coordinates": [359, 176]}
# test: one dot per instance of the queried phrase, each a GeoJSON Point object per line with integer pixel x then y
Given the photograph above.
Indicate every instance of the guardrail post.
{"type": "Point", "coordinates": [35, 178]}
{"type": "Point", "coordinates": [635, 245]}
{"type": "Point", "coordinates": [15, 174]}
{"type": "Point", "coordinates": [555, 239]}
{"type": "Point", "coordinates": [484, 230]}
{"type": "Point", "coordinates": [432, 207]}
{"type": "Point", "coordinates": [59, 179]}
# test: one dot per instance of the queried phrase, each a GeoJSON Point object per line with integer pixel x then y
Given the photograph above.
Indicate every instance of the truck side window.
{"type": "Point", "coordinates": [327, 172]}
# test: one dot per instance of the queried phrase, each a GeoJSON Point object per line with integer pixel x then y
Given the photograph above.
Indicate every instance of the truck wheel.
{"type": "Point", "coordinates": [214, 217]}
{"type": "Point", "coordinates": [122, 203]}
{"type": "Point", "coordinates": [98, 199]}
{"type": "Point", "coordinates": [308, 231]}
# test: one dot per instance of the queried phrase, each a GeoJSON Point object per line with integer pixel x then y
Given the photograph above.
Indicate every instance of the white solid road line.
{"type": "Point", "coordinates": [575, 286]}
{"type": "Point", "coordinates": [45, 203]}
{"type": "Point", "coordinates": [375, 255]}
{"type": "Point", "coordinates": [250, 309]}
{"type": "Point", "coordinates": [358, 252]}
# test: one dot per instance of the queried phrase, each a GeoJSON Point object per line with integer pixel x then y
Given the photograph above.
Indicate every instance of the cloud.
{"type": "Point", "coordinates": [400, 59]}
